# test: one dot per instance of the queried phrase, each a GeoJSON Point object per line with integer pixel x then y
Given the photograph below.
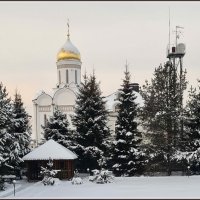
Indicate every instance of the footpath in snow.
{"type": "Point", "coordinates": [122, 187]}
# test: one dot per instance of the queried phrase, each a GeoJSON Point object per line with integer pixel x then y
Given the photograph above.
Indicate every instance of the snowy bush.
{"type": "Point", "coordinates": [76, 179]}
{"type": "Point", "coordinates": [101, 176]}
{"type": "Point", "coordinates": [48, 173]}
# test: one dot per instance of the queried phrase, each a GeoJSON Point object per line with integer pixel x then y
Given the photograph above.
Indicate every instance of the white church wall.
{"type": "Point", "coordinates": [42, 106]}
{"type": "Point", "coordinates": [64, 96]}
{"type": "Point", "coordinates": [42, 116]}
{"type": "Point", "coordinates": [44, 100]}
{"type": "Point", "coordinates": [111, 122]}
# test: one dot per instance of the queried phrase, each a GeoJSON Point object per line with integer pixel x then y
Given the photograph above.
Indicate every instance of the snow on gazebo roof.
{"type": "Point", "coordinates": [50, 149]}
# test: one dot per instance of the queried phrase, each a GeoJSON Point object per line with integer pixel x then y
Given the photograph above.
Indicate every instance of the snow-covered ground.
{"type": "Point", "coordinates": [122, 187]}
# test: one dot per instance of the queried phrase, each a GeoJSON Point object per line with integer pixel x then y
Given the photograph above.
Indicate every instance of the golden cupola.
{"type": "Point", "coordinates": [68, 51]}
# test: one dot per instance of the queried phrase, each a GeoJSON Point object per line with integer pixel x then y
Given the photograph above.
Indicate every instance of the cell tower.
{"type": "Point", "coordinates": [175, 54]}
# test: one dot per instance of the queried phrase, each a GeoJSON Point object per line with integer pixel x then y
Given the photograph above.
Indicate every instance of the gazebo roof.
{"type": "Point", "coordinates": [50, 149]}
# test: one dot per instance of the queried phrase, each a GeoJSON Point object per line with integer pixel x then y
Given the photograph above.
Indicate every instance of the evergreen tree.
{"type": "Point", "coordinates": [90, 121]}
{"type": "Point", "coordinates": [128, 158]}
{"type": "Point", "coordinates": [162, 114]}
{"type": "Point", "coordinates": [192, 129]}
{"type": "Point", "coordinates": [6, 139]}
{"type": "Point", "coordinates": [48, 173]}
{"type": "Point", "coordinates": [57, 128]}
{"type": "Point", "coordinates": [21, 132]}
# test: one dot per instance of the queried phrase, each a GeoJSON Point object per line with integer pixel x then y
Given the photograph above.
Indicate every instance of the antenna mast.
{"type": "Point", "coordinates": [169, 27]}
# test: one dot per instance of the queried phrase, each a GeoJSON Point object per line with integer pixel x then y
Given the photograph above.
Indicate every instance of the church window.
{"type": "Point", "coordinates": [59, 78]}
{"type": "Point", "coordinates": [76, 76]}
{"type": "Point", "coordinates": [67, 76]}
{"type": "Point", "coordinates": [45, 119]}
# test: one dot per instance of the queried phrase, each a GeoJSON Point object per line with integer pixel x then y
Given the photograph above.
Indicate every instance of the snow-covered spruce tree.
{"type": "Point", "coordinates": [161, 115]}
{"type": "Point", "coordinates": [192, 130]}
{"type": "Point", "coordinates": [6, 139]}
{"type": "Point", "coordinates": [57, 128]}
{"type": "Point", "coordinates": [127, 158]}
{"type": "Point", "coordinates": [21, 133]}
{"type": "Point", "coordinates": [48, 173]}
{"type": "Point", "coordinates": [90, 121]}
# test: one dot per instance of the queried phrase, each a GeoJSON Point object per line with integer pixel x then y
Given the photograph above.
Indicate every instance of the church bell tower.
{"type": "Point", "coordinates": [68, 65]}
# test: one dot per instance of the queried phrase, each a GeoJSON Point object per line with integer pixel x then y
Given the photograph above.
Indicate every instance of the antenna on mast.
{"type": "Point", "coordinates": [169, 27]}
{"type": "Point", "coordinates": [178, 32]}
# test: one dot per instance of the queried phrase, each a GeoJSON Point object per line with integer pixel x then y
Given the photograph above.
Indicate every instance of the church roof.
{"type": "Point", "coordinates": [68, 51]}
{"type": "Point", "coordinates": [50, 149]}
{"type": "Point", "coordinates": [112, 100]}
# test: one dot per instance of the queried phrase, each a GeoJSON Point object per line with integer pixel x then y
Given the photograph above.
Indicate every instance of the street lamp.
{"type": "Point", "coordinates": [188, 171]}
{"type": "Point", "coordinates": [14, 182]}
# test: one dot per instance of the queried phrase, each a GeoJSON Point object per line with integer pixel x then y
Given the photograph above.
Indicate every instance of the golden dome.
{"type": "Point", "coordinates": [68, 51]}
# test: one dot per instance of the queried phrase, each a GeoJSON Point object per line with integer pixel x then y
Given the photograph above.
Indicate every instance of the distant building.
{"type": "Point", "coordinates": [112, 102]}
{"type": "Point", "coordinates": [63, 95]}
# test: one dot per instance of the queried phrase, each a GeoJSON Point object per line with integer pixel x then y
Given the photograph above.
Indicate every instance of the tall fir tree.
{"type": "Point", "coordinates": [192, 130]}
{"type": "Point", "coordinates": [127, 158]}
{"type": "Point", "coordinates": [57, 128]}
{"type": "Point", "coordinates": [162, 114]}
{"type": "Point", "coordinates": [6, 139]}
{"type": "Point", "coordinates": [21, 132]}
{"type": "Point", "coordinates": [90, 121]}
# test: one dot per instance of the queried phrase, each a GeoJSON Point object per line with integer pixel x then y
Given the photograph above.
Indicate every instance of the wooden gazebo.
{"type": "Point", "coordinates": [63, 160]}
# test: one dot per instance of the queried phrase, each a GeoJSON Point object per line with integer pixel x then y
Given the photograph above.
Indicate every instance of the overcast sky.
{"type": "Point", "coordinates": [106, 34]}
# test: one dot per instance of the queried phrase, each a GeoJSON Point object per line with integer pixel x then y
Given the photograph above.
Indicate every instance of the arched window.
{"type": "Point", "coordinates": [67, 76]}
{"type": "Point", "coordinates": [45, 120]}
{"type": "Point", "coordinates": [76, 76]}
{"type": "Point", "coordinates": [59, 77]}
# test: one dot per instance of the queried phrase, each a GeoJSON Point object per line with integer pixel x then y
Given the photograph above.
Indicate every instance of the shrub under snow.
{"type": "Point", "coordinates": [48, 173]}
{"type": "Point", "coordinates": [76, 179]}
{"type": "Point", "coordinates": [101, 176]}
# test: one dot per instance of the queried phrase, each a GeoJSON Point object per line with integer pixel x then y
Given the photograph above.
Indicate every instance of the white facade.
{"type": "Point", "coordinates": [44, 105]}
{"type": "Point", "coordinates": [112, 106]}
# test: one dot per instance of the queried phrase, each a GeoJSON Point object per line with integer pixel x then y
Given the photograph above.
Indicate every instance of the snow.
{"type": "Point", "coordinates": [129, 134]}
{"type": "Point", "coordinates": [121, 187]}
{"type": "Point", "coordinates": [69, 47]}
{"type": "Point", "coordinates": [38, 93]}
{"type": "Point", "coordinates": [50, 149]}
{"type": "Point", "coordinates": [77, 181]}
{"type": "Point", "coordinates": [111, 101]}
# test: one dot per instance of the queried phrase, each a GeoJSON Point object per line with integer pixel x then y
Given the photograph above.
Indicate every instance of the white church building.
{"type": "Point", "coordinates": [63, 95]}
